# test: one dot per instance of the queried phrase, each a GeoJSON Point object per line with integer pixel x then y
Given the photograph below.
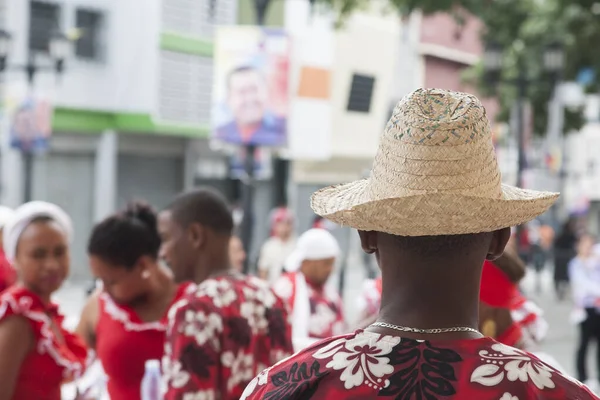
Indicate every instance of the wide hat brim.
{"type": "Point", "coordinates": [430, 214]}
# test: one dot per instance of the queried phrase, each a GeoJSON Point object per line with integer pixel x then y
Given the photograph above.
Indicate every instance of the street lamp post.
{"type": "Point", "coordinates": [59, 48]}
{"type": "Point", "coordinates": [553, 59]}
{"type": "Point", "coordinates": [260, 9]}
{"type": "Point", "coordinates": [554, 62]}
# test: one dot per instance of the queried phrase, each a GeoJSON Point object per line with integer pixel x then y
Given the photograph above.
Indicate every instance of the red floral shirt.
{"type": "Point", "coordinates": [326, 311]}
{"type": "Point", "coordinates": [221, 335]}
{"type": "Point", "coordinates": [366, 365]}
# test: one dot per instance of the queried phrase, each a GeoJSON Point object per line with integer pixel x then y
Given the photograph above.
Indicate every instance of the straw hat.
{"type": "Point", "coordinates": [435, 173]}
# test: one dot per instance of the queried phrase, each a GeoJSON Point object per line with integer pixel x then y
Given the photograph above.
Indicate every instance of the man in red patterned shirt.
{"type": "Point", "coordinates": [432, 210]}
{"type": "Point", "coordinates": [230, 326]}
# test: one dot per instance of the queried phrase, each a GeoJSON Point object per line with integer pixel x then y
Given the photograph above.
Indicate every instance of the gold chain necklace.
{"type": "Point", "coordinates": [425, 331]}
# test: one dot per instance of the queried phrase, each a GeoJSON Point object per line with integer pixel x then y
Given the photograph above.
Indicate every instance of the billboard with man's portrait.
{"type": "Point", "coordinates": [250, 96]}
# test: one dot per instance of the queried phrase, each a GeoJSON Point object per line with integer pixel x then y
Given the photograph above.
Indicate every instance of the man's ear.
{"type": "Point", "coordinates": [368, 241]}
{"type": "Point", "coordinates": [196, 234]}
{"type": "Point", "coordinates": [499, 240]}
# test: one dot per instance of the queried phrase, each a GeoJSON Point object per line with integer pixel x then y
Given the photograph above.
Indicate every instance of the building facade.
{"type": "Point", "coordinates": [131, 112]}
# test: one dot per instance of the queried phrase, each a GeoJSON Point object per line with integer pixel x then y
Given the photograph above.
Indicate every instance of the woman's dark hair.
{"type": "Point", "coordinates": [124, 237]}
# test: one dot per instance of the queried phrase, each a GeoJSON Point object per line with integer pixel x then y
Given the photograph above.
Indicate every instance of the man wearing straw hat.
{"type": "Point", "coordinates": [432, 210]}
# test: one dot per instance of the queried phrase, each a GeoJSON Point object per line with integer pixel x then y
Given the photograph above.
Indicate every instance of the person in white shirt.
{"type": "Point", "coordinates": [315, 306]}
{"type": "Point", "coordinates": [278, 247]}
{"type": "Point", "coordinates": [584, 274]}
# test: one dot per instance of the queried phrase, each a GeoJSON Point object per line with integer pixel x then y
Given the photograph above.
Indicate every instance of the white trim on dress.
{"type": "Point", "coordinates": [71, 370]}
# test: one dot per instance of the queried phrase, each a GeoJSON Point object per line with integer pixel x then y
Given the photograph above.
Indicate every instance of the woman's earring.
{"type": "Point", "coordinates": [146, 274]}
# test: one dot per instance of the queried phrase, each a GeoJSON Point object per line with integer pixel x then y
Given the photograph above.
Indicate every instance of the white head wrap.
{"type": "Point", "coordinates": [314, 244]}
{"type": "Point", "coordinates": [24, 215]}
{"type": "Point", "coordinates": [6, 213]}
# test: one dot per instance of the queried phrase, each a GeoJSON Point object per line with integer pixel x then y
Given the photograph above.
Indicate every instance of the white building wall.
{"type": "Point", "coordinates": [354, 135]}
{"type": "Point", "coordinates": [357, 134]}
{"type": "Point", "coordinates": [193, 17]}
{"type": "Point", "coordinates": [123, 80]}
{"type": "Point", "coordinates": [127, 79]}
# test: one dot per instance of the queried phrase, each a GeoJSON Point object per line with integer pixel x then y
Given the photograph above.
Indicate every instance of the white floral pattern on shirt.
{"type": "Point", "coordinates": [362, 359]}
{"type": "Point", "coordinates": [242, 367]}
{"type": "Point", "coordinates": [203, 327]}
{"type": "Point", "coordinates": [220, 291]}
{"type": "Point", "coordinates": [255, 314]}
{"type": "Point", "coordinates": [512, 364]}
{"type": "Point", "coordinates": [173, 373]}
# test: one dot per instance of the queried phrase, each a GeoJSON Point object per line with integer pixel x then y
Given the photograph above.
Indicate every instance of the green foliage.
{"type": "Point", "coordinates": [523, 28]}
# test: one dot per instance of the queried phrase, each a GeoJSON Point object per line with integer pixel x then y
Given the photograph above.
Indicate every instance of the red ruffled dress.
{"type": "Point", "coordinates": [124, 343]}
{"type": "Point", "coordinates": [498, 291]}
{"type": "Point", "coordinates": [52, 361]}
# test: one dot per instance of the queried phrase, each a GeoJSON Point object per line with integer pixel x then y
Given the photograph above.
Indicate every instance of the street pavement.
{"type": "Point", "coordinates": [560, 342]}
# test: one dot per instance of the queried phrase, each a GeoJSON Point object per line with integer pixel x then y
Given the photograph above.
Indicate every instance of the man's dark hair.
{"type": "Point", "coordinates": [240, 69]}
{"type": "Point", "coordinates": [435, 246]}
{"type": "Point", "coordinates": [204, 206]}
{"type": "Point", "coordinates": [123, 238]}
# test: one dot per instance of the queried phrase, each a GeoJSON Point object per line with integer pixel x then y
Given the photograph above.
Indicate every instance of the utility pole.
{"type": "Point", "coordinates": [260, 9]}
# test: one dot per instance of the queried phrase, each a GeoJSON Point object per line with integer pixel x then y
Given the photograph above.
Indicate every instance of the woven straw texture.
{"type": "Point", "coordinates": [435, 173]}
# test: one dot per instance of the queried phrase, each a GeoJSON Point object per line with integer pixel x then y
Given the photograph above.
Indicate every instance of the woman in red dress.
{"type": "Point", "coordinates": [497, 293]}
{"type": "Point", "coordinates": [36, 354]}
{"type": "Point", "coordinates": [125, 322]}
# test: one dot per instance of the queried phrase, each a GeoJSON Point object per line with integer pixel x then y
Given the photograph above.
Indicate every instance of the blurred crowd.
{"type": "Point", "coordinates": [143, 269]}
{"type": "Point", "coordinates": [173, 316]}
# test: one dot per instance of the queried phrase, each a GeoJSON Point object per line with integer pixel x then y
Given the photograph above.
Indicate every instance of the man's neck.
{"type": "Point", "coordinates": [428, 296]}
{"type": "Point", "coordinates": [284, 238]}
{"type": "Point", "coordinates": [163, 287]}
{"type": "Point", "coordinates": [212, 265]}
{"type": "Point", "coordinates": [315, 286]}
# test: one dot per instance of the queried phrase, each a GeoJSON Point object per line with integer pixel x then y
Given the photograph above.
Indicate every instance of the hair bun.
{"type": "Point", "coordinates": [143, 212]}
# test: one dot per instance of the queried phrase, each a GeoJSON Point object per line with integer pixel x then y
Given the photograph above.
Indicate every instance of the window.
{"type": "Point", "coordinates": [361, 93]}
{"type": "Point", "coordinates": [89, 44]}
{"type": "Point", "coordinates": [43, 22]}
